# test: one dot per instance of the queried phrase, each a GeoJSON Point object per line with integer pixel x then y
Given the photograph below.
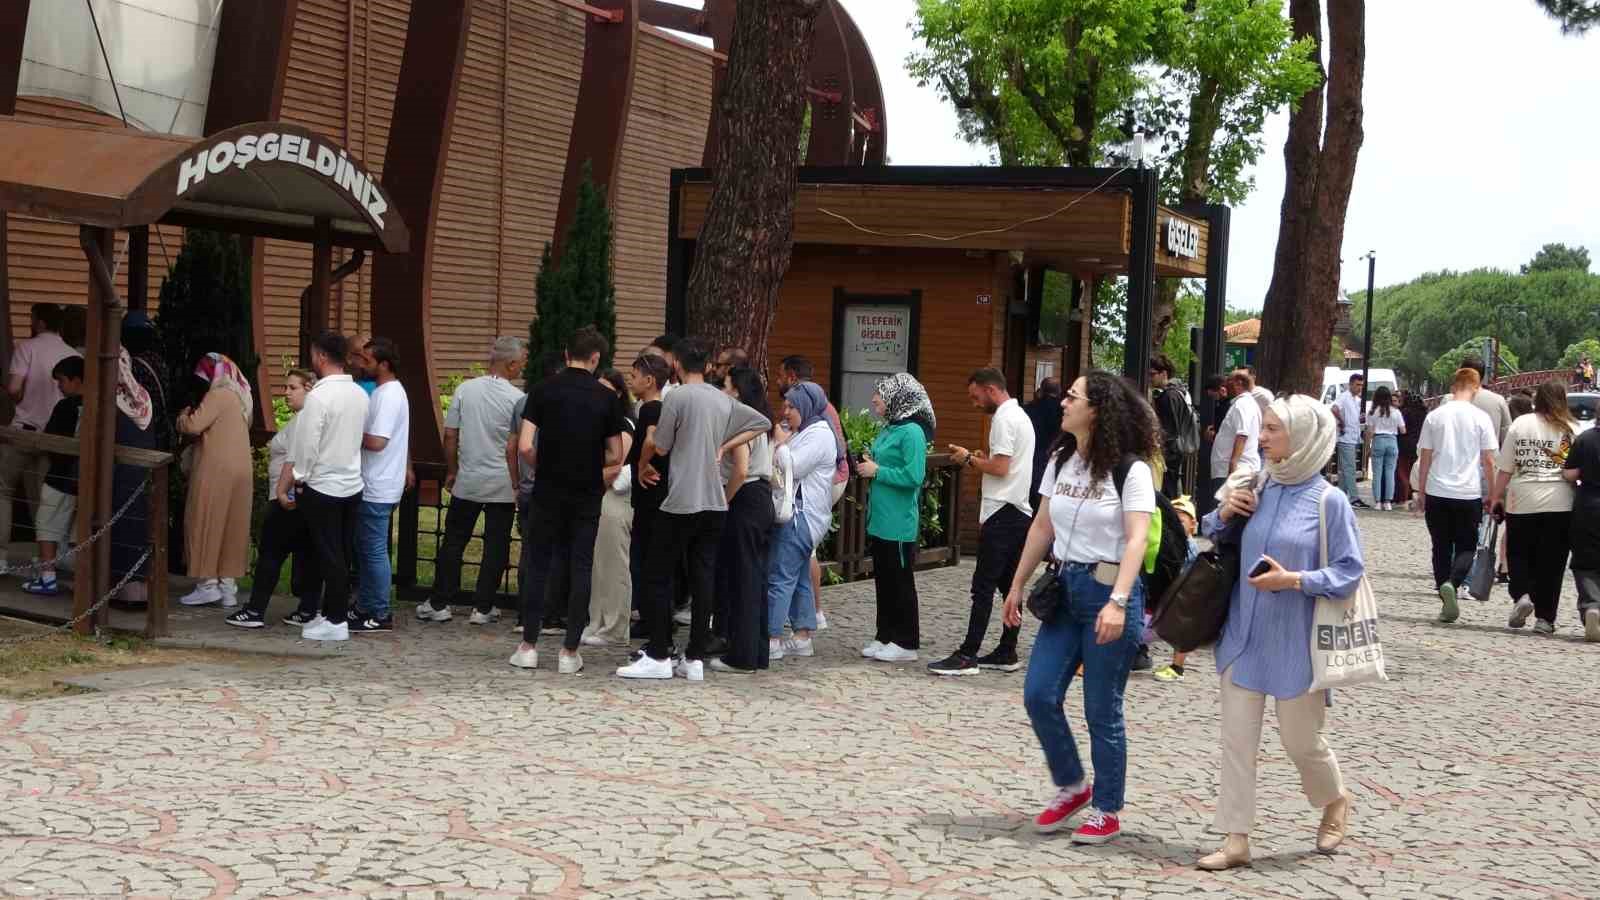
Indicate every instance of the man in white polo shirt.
{"type": "Point", "coordinates": [1238, 440]}
{"type": "Point", "coordinates": [1004, 515]}
{"type": "Point", "coordinates": [326, 457]}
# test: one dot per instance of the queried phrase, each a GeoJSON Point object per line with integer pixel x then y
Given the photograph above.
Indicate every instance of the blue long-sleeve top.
{"type": "Point", "coordinates": [1267, 638]}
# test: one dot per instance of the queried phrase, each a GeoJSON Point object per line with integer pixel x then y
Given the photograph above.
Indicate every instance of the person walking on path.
{"type": "Point", "coordinates": [896, 469]}
{"type": "Point", "coordinates": [611, 594]}
{"type": "Point", "coordinates": [386, 473]}
{"type": "Point", "coordinates": [325, 453]}
{"type": "Point", "coordinates": [1582, 468]}
{"type": "Point", "coordinates": [283, 530]}
{"type": "Point", "coordinates": [1457, 448]}
{"type": "Point", "coordinates": [35, 393]}
{"type": "Point", "coordinates": [1387, 426]}
{"type": "Point", "coordinates": [476, 429]}
{"type": "Point", "coordinates": [746, 536]}
{"type": "Point", "coordinates": [216, 514]}
{"type": "Point", "coordinates": [699, 425]}
{"type": "Point", "coordinates": [1044, 412]}
{"type": "Point", "coordinates": [807, 442]}
{"type": "Point", "coordinates": [1538, 506]}
{"type": "Point", "coordinates": [1495, 406]}
{"type": "Point", "coordinates": [1005, 513]}
{"type": "Point", "coordinates": [1350, 412]}
{"type": "Point", "coordinates": [1098, 531]}
{"type": "Point", "coordinates": [571, 431]}
{"type": "Point", "coordinates": [1264, 649]}
{"type": "Point", "coordinates": [1412, 413]}
{"type": "Point", "coordinates": [1236, 444]}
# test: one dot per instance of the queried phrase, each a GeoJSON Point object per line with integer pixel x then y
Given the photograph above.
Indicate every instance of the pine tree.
{"type": "Point", "coordinates": [578, 289]}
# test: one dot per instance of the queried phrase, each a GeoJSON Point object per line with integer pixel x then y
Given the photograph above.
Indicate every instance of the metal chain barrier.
{"type": "Point", "coordinates": [34, 568]}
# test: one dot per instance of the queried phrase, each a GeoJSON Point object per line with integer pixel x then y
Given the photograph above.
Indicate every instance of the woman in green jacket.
{"type": "Point", "coordinates": [898, 464]}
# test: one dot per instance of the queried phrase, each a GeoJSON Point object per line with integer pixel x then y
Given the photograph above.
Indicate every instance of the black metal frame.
{"type": "Point", "coordinates": [843, 298]}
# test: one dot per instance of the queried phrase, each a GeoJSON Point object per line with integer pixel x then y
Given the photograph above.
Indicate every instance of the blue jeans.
{"type": "Point", "coordinates": [1057, 651]}
{"type": "Point", "coordinates": [372, 558]}
{"type": "Point", "coordinates": [789, 597]}
{"type": "Point", "coordinates": [1347, 470]}
{"type": "Point", "coordinates": [1385, 457]}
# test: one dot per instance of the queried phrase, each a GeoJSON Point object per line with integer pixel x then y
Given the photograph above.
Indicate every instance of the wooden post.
{"type": "Point", "coordinates": [314, 313]}
{"type": "Point", "coordinates": [98, 431]}
{"type": "Point", "coordinates": [155, 621]}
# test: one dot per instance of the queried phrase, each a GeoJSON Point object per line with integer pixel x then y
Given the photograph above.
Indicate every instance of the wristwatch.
{"type": "Point", "coordinates": [1120, 600]}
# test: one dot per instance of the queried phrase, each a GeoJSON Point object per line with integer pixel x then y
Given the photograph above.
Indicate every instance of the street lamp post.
{"type": "Point", "coordinates": [1366, 346]}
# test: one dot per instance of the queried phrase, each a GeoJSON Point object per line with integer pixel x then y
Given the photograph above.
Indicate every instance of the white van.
{"type": "Point", "coordinates": [1336, 381]}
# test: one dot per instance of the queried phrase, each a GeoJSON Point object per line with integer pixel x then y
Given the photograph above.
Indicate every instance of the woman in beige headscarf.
{"type": "Point", "coordinates": [1265, 646]}
{"type": "Point", "coordinates": [217, 513]}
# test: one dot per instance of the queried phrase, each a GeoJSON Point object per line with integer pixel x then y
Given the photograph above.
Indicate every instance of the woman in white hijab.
{"type": "Point", "coordinates": [1264, 649]}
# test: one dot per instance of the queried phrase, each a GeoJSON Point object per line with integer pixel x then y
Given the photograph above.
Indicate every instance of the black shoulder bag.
{"type": "Point", "coordinates": [1044, 598]}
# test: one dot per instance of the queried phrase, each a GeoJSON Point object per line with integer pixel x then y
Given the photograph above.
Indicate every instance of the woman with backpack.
{"type": "Point", "coordinates": [1099, 534]}
{"type": "Point", "coordinates": [1265, 646]}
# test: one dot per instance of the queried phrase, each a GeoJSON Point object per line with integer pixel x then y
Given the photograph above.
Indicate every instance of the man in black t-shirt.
{"type": "Point", "coordinates": [571, 430]}
{"type": "Point", "coordinates": [651, 375]}
{"type": "Point", "coordinates": [58, 494]}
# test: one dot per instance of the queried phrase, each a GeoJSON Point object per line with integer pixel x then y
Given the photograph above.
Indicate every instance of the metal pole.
{"type": "Point", "coordinates": [1366, 348]}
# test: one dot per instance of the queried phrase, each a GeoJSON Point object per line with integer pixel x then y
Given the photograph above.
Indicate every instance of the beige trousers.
{"type": "Point", "coordinates": [611, 594]}
{"type": "Point", "coordinates": [1300, 728]}
{"type": "Point", "coordinates": [18, 468]}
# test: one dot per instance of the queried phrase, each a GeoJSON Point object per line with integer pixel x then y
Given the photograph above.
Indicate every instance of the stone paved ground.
{"type": "Point", "coordinates": [420, 764]}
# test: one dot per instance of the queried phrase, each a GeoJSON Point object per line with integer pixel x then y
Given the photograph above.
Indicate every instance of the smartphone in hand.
{"type": "Point", "coordinates": [1262, 567]}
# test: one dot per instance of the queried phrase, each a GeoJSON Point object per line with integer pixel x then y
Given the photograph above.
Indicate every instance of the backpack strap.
{"type": "Point", "coordinates": [1119, 472]}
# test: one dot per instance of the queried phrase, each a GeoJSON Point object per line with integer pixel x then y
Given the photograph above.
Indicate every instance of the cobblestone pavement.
{"type": "Point", "coordinates": [420, 764]}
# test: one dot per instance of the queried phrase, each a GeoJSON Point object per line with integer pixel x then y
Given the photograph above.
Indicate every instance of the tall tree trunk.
{"type": "Point", "coordinates": [746, 242]}
{"type": "Point", "coordinates": [1297, 318]}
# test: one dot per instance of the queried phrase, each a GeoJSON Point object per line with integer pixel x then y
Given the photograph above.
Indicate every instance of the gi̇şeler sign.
{"type": "Point", "coordinates": [876, 338]}
{"type": "Point", "coordinates": [287, 148]}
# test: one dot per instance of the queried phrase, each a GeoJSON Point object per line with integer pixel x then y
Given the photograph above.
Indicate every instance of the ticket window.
{"type": "Point", "coordinates": [873, 335]}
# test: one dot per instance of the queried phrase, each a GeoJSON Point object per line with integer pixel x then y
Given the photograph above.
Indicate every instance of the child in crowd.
{"type": "Point", "coordinates": [1185, 507]}
{"type": "Point", "coordinates": [58, 496]}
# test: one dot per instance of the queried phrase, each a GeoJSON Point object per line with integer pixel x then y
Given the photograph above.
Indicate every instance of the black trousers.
{"type": "Point", "coordinates": [1172, 480]}
{"type": "Point", "coordinates": [1588, 581]}
{"type": "Point", "coordinates": [459, 520]}
{"type": "Point", "coordinates": [283, 532]}
{"type": "Point", "coordinates": [697, 536]}
{"type": "Point", "coordinates": [1453, 526]}
{"type": "Point", "coordinates": [331, 527]}
{"type": "Point", "coordinates": [742, 576]}
{"type": "Point", "coordinates": [1000, 540]}
{"type": "Point", "coordinates": [559, 530]}
{"type": "Point", "coordinates": [1536, 552]}
{"type": "Point", "coordinates": [896, 582]}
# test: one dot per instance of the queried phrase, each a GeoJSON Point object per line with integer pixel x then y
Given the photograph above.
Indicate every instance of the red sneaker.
{"type": "Point", "coordinates": [1061, 809]}
{"type": "Point", "coordinates": [1097, 829]}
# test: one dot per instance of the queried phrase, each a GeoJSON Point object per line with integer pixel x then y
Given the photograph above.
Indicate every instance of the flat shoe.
{"type": "Point", "coordinates": [1331, 833]}
{"type": "Point", "coordinates": [1234, 854]}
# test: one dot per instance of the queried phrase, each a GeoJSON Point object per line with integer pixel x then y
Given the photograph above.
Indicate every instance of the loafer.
{"type": "Point", "coordinates": [1335, 818]}
{"type": "Point", "coordinates": [1234, 854]}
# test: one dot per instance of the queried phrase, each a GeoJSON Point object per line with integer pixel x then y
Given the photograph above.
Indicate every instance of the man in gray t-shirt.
{"type": "Point", "coordinates": [698, 424]}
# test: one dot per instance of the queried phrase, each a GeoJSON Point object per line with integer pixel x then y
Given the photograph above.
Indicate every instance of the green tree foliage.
{"type": "Point", "coordinates": [1558, 257]}
{"type": "Point", "coordinates": [1542, 314]}
{"type": "Point", "coordinates": [578, 289]}
{"type": "Point", "coordinates": [1444, 368]}
{"type": "Point", "coordinates": [1575, 16]}
{"type": "Point", "coordinates": [205, 308]}
{"type": "Point", "coordinates": [1572, 355]}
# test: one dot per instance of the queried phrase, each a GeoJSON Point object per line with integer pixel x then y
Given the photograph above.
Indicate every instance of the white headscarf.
{"type": "Point", "coordinates": [1313, 434]}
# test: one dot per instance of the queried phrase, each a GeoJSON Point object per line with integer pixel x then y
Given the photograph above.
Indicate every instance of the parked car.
{"type": "Point", "coordinates": [1584, 406]}
{"type": "Point", "coordinates": [1336, 381]}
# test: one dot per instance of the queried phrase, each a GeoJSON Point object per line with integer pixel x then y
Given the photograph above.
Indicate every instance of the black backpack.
{"type": "Point", "coordinates": [1185, 438]}
{"type": "Point", "coordinates": [1171, 543]}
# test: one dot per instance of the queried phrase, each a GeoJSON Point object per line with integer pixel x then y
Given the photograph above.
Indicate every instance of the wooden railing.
{"type": "Point", "coordinates": [852, 561]}
{"type": "Point", "coordinates": [157, 464]}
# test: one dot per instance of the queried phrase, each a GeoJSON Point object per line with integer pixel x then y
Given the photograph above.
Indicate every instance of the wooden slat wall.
{"type": "Point", "coordinates": [953, 324]}
{"type": "Point", "coordinates": [45, 262]}
{"type": "Point", "coordinates": [666, 130]}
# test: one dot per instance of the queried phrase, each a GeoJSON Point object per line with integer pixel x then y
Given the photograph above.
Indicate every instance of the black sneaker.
{"type": "Point", "coordinates": [1001, 660]}
{"type": "Point", "coordinates": [717, 646]}
{"type": "Point", "coordinates": [299, 619]}
{"type": "Point", "coordinates": [1359, 504]}
{"type": "Point", "coordinates": [553, 626]}
{"type": "Point", "coordinates": [370, 625]}
{"type": "Point", "coordinates": [1141, 660]}
{"type": "Point", "coordinates": [955, 664]}
{"type": "Point", "coordinates": [247, 618]}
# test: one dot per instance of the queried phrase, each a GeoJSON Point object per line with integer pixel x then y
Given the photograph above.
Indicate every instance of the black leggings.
{"type": "Point", "coordinates": [893, 573]}
{"type": "Point", "coordinates": [1536, 552]}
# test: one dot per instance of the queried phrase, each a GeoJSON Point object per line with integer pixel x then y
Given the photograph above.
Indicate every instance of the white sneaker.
{"type": "Point", "coordinates": [872, 650]}
{"type": "Point", "coordinates": [1520, 613]}
{"type": "Point", "coordinates": [775, 649]}
{"type": "Point", "coordinates": [645, 667]}
{"type": "Point", "coordinates": [427, 612]}
{"type": "Point", "coordinates": [1591, 625]}
{"type": "Point", "coordinates": [798, 647]}
{"type": "Point", "coordinates": [230, 593]}
{"type": "Point", "coordinates": [570, 663]}
{"type": "Point", "coordinates": [320, 629]}
{"type": "Point", "coordinates": [822, 621]}
{"type": "Point", "coordinates": [525, 659]}
{"type": "Point", "coordinates": [1540, 626]}
{"type": "Point", "coordinates": [478, 618]}
{"type": "Point", "coordinates": [594, 640]}
{"type": "Point", "coordinates": [204, 594]}
{"type": "Point", "coordinates": [893, 652]}
{"type": "Point", "coordinates": [692, 669]}
{"type": "Point", "coordinates": [683, 616]}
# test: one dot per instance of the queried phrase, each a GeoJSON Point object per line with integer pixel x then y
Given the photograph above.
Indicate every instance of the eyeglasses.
{"type": "Point", "coordinates": [1073, 395]}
